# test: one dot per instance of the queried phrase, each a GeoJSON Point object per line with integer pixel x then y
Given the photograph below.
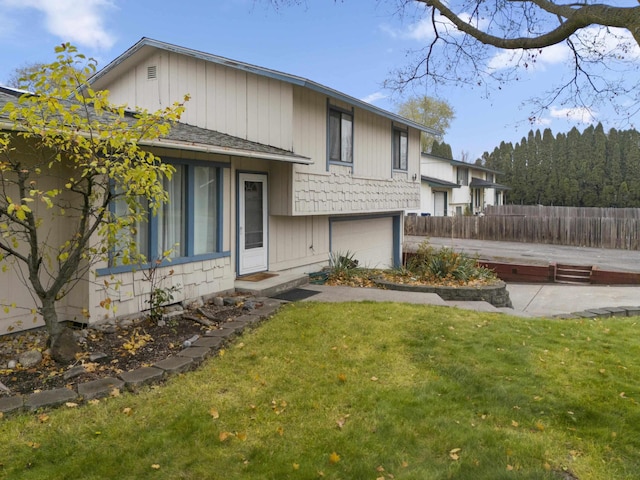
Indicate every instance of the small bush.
{"type": "Point", "coordinates": [444, 264]}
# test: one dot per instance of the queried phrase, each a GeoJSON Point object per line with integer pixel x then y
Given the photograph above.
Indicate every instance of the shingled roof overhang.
{"type": "Point", "coordinates": [438, 183]}
{"type": "Point", "coordinates": [196, 139]}
{"type": "Point", "coordinates": [145, 46]}
{"type": "Point", "coordinates": [479, 183]}
{"type": "Point", "coordinates": [190, 138]}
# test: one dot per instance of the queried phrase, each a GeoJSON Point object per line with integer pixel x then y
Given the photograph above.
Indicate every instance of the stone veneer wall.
{"type": "Point", "coordinates": [194, 279]}
{"type": "Point", "coordinates": [497, 295]}
{"type": "Point", "coordinates": [345, 193]}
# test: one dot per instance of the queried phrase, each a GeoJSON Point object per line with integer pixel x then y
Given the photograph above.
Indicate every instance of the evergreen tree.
{"type": "Point", "coordinates": [588, 169]}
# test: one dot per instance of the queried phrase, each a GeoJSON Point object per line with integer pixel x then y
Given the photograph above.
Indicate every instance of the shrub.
{"type": "Point", "coordinates": [445, 264]}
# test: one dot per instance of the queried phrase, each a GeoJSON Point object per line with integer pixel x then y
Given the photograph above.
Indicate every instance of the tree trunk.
{"type": "Point", "coordinates": [62, 342]}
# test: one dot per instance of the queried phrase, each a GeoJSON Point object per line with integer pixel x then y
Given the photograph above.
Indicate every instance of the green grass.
{"type": "Point", "coordinates": [383, 390]}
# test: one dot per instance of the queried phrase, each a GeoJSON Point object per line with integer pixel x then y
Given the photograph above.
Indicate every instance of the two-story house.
{"type": "Point", "coordinates": [273, 174]}
{"type": "Point", "coordinates": [451, 187]}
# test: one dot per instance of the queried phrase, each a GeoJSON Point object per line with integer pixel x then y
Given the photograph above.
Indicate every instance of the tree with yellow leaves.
{"type": "Point", "coordinates": [66, 155]}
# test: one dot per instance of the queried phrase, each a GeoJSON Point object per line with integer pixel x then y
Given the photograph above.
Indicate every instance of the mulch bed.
{"type": "Point", "coordinates": [104, 353]}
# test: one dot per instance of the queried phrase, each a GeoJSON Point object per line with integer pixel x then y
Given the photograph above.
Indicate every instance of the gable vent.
{"type": "Point", "coordinates": [152, 72]}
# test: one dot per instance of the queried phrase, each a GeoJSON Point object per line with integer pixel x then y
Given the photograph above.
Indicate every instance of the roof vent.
{"type": "Point", "coordinates": [152, 72]}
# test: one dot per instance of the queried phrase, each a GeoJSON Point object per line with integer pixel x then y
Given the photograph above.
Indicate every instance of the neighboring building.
{"type": "Point", "coordinates": [451, 187]}
{"type": "Point", "coordinates": [274, 173]}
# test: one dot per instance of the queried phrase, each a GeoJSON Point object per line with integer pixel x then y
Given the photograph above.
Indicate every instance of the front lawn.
{"type": "Point", "coordinates": [365, 391]}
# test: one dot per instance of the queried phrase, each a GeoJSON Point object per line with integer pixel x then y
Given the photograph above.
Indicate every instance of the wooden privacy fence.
{"type": "Point", "coordinates": [571, 212]}
{"type": "Point", "coordinates": [599, 232]}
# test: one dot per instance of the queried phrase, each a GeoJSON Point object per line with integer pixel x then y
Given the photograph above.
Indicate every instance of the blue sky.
{"type": "Point", "coordinates": [351, 46]}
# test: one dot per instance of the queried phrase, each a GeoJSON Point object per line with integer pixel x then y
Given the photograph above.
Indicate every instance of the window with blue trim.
{"type": "Point", "coordinates": [188, 225]}
{"type": "Point", "coordinates": [340, 136]}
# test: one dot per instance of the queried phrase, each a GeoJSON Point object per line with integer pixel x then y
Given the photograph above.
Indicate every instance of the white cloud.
{"type": "Point", "coordinates": [578, 114]}
{"type": "Point", "coordinates": [538, 60]}
{"type": "Point", "coordinates": [78, 21]}
{"type": "Point", "coordinates": [374, 97]}
{"type": "Point", "coordinates": [422, 30]}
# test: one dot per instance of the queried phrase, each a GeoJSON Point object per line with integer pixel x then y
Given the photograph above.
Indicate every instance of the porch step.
{"type": "Point", "coordinates": [573, 274]}
{"type": "Point", "coordinates": [272, 286]}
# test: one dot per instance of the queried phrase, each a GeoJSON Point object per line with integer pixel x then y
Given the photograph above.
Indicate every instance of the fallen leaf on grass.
{"type": "Point", "coordinates": [127, 410]}
{"type": "Point", "coordinates": [214, 413]}
{"type": "Point", "coordinates": [514, 423]}
{"type": "Point", "coordinates": [296, 466]}
{"type": "Point", "coordinates": [341, 421]}
{"type": "Point", "coordinates": [334, 458]}
{"type": "Point", "coordinates": [224, 436]}
{"type": "Point", "coordinates": [342, 377]}
{"type": "Point", "coordinates": [43, 418]}
{"type": "Point", "coordinates": [453, 454]}
{"type": "Point", "coordinates": [155, 466]}
{"type": "Point", "coordinates": [71, 404]}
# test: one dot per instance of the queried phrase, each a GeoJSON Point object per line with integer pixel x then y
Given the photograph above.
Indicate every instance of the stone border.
{"type": "Point", "coordinates": [496, 294]}
{"type": "Point", "coordinates": [606, 312]}
{"type": "Point", "coordinates": [188, 359]}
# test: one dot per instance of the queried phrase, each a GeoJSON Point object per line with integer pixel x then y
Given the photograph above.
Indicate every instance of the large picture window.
{"type": "Point", "coordinates": [340, 136]}
{"type": "Point", "coordinates": [400, 149]}
{"type": "Point", "coordinates": [188, 224]}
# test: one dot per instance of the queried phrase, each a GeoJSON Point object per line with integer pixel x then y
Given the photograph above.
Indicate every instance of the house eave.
{"type": "Point", "coordinates": [234, 152]}
{"type": "Point", "coordinates": [261, 71]}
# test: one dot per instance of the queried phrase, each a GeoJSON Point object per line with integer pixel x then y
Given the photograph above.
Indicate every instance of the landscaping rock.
{"type": "Point", "coordinates": [98, 357]}
{"type": "Point", "coordinates": [218, 301]}
{"type": "Point", "coordinates": [66, 347]}
{"type": "Point", "coordinates": [30, 359]}
{"type": "Point", "coordinates": [74, 372]}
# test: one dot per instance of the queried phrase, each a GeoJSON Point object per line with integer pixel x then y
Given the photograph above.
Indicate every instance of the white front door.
{"type": "Point", "coordinates": [439, 204]}
{"type": "Point", "coordinates": [252, 223]}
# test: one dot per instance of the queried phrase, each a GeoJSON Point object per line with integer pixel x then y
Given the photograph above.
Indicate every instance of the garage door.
{"type": "Point", "coordinates": [371, 240]}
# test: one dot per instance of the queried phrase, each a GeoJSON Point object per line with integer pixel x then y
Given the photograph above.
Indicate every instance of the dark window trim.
{"type": "Point", "coordinates": [334, 108]}
{"type": "Point", "coordinates": [395, 149]}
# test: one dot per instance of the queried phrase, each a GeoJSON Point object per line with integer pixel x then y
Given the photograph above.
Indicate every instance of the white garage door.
{"type": "Point", "coordinates": [371, 240]}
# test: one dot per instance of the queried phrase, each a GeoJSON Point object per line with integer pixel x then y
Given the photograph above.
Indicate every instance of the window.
{"type": "Point", "coordinates": [463, 176]}
{"type": "Point", "coordinates": [340, 136]}
{"type": "Point", "coordinates": [400, 149]}
{"type": "Point", "coordinates": [170, 217]}
{"type": "Point", "coordinates": [205, 205]}
{"type": "Point", "coordinates": [490, 177]}
{"type": "Point", "coordinates": [188, 224]}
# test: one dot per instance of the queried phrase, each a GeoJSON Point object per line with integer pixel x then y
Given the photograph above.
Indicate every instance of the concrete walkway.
{"type": "Point", "coordinates": [529, 300]}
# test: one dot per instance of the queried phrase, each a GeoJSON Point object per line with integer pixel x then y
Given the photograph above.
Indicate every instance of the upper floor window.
{"type": "Point", "coordinates": [340, 136]}
{"type": "Point", "coordinates": [490, 177]}
{"type": "Point", "coordinates": [400, 149]}
{"type": "Point", "coordinates": [463, 176]}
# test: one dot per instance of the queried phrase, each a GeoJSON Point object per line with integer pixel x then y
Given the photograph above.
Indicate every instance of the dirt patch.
{"type": "Point", "coordinates": [106, 353]}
